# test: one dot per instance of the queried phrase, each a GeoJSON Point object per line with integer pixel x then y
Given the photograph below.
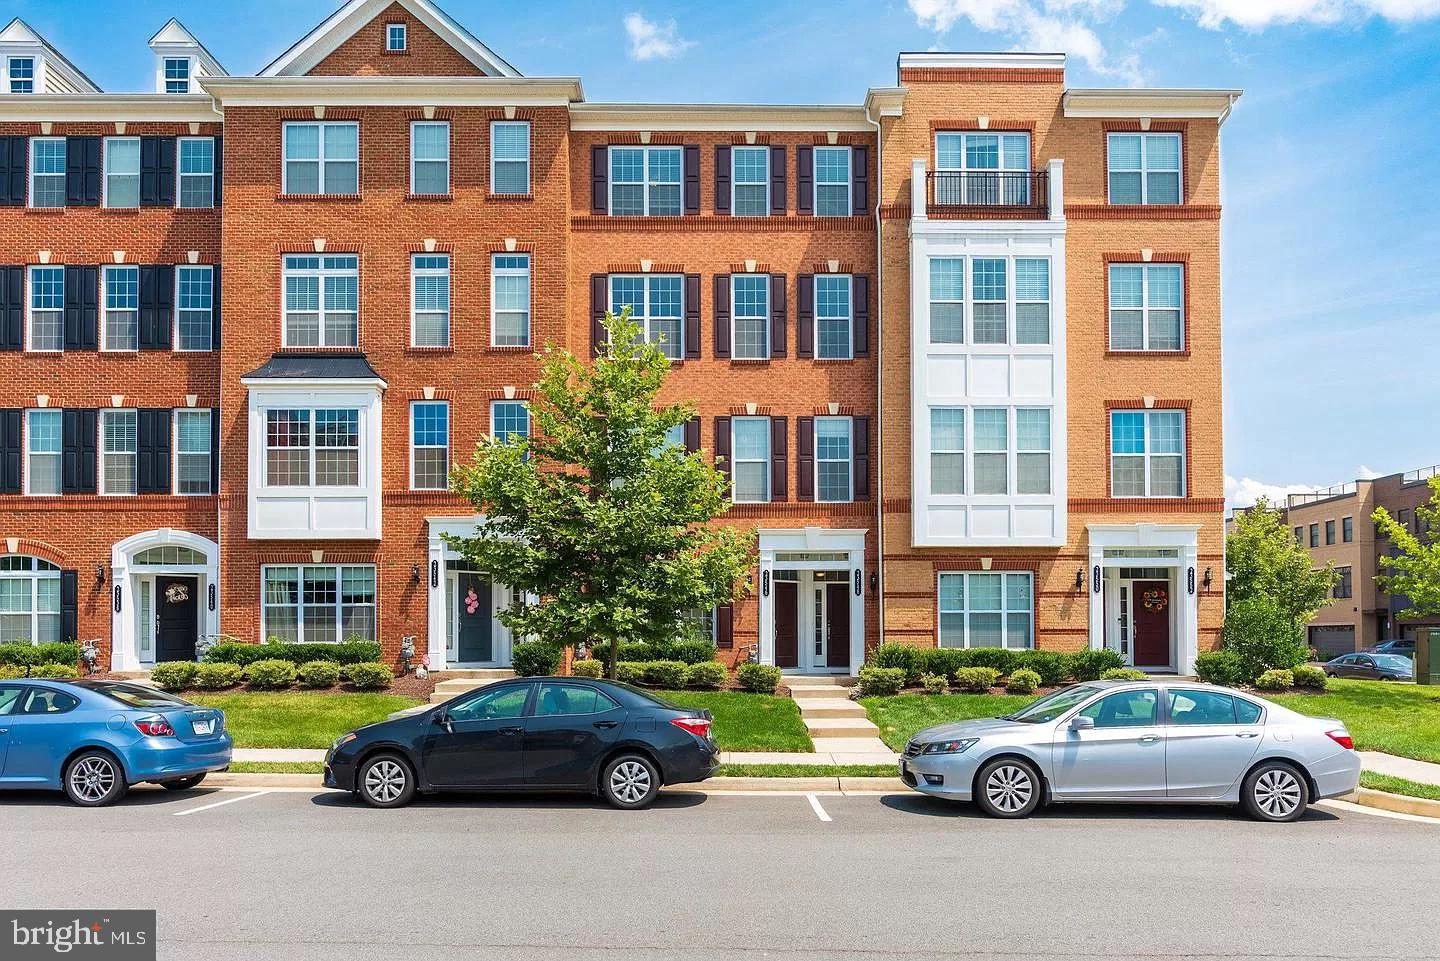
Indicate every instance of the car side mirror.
{"type": "Point", "coordinates": [1082, 723]}
{"type": "Point", "coordinates": [443, 719]}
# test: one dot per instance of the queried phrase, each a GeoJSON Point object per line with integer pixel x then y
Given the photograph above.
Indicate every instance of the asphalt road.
{"type": "Point", "coordinates": [299, 875]}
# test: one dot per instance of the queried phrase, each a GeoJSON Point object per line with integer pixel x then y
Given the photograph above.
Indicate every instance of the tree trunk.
{"type": "Point", "coordinates": [612, 654]}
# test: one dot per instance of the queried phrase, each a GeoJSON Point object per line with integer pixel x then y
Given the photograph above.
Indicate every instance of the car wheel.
{"type": "Point", "coordinates": [1274, 792]}
{"type": "Point", "coordinates": [94, 778]}
{"type": "Point", "coordinates": [1008, 788]}
{"type": "Point", "coordinates": [182, 784]}
{"type": "Point", "coordinates": [630, 782]}
{"type": "Point", "coordinates": [386, 781]}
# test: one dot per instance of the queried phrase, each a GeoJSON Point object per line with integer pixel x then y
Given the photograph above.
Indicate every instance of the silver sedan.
{"type": "Point", "coordinates": [1142, 741]}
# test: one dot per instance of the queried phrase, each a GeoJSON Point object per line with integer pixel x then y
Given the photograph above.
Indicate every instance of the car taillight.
{"type": "Point", "coordinates": [697, 726]}
{"type": "Point", "coordinates": [155, 727]}
{"type": "Point", "coordinates": [1342, 738]}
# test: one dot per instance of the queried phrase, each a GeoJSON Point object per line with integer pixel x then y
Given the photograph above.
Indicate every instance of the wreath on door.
{"type": "Point", "coordinates": [472, 601]}
{"type": "Point", "coordinates": [1156, 600]}
{"type": "Point", "coordinates": [177, 594]}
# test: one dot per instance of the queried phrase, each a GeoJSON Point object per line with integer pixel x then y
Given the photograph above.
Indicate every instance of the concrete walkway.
{"type": "Point", "coordinates": [1423, 772]}
{"type": "Point", "coordinates": [838, 726]}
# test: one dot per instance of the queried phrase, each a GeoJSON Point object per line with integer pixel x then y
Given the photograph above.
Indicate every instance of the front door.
{"type": "Point", "coordinates": [1150, 601]}
{"type": "Point", "coordinates": [1122, 756]}
{"type": "Point", "coordinates": [787, 624]}
{"type": "Point", "coordinates": [177, 624]}
{"type": "Point", "coordinates": [484, 743]}
{"type": "Point", "coordinates": [837, 625]}
{"type": "Point", "coordinates": [474, 625]}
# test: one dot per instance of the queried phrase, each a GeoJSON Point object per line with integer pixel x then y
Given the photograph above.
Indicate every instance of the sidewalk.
{"type": "Point", "coordinates": [1423, 772]}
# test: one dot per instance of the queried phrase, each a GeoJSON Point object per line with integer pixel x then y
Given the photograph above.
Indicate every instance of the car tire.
{"type": "Point", "coordinates": [182, 784]}
{"type": "Point", "coordinates": [1275, 792]}
{"type": "Point", "coordinates": [1008, 787]}
{"type": "Point", "coordinates": [630, 782]}
{"type": "Point", "coordinates": [93, 779]}
{"type": "Point", "coordinates": [386, 781]}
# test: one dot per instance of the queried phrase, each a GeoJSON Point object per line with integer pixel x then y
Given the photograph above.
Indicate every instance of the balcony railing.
{"type": "Point", "coordinates": [1321, 494]}
{"type": "Point", "coordinates": [1022, 193]}
{"type": "Point", "coordinates": [1420, 474]}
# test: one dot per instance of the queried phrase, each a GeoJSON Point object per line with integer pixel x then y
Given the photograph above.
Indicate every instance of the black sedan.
{"type": "Point", "coordinates": [530, 734]}
{"type": "Point", "coordinates": [1372, 667]}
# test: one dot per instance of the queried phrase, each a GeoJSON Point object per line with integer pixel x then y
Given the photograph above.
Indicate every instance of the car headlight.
{"type": "Point", "coordinates": [341, 741]}
{"type": "Point", "coordinates": [950, 747]}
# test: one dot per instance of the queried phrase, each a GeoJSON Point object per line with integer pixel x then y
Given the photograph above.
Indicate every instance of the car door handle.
{"type": "Point", "coordinates": [1149, 738]}
{"type": "Point", "coordinates": [4, 730]}
{"type": "Point", "coordinates": [606, 725]}
{"type": "Point", "coordinates": [511, 730]}
{"type": "Point", "coordinates": [1247, 734]}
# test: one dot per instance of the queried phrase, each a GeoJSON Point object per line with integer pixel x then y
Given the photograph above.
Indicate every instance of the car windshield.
{"type": "Point", "coordinates": [1052, 705]}
{"type": "Point", "coordinates": [138, 695]}
{"type": "Point", "coordinates": [1394, 662]}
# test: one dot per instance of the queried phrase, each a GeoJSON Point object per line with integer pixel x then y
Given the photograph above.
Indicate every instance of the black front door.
{"type": "Point", "coordinates": [484, 743]}
{"type": "Point", "coordinates": [177, 621]}
{"type": "Point", "coordinates": [474, 630]}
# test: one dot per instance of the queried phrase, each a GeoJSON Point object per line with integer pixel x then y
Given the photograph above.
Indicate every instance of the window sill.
{"type": "Point", "coordinates": [45, 211]}
{"type": "Point", "coordinates": [510, 349]}
{"type": "Point", "coordinates": [505, 198]}
{"type": "Point", "coordinates": [751, 361]}
{"type": "Point", "coordinates": [119, 211]}
{"type": "Point", "coordinates": [319, 198]}
{"type": "Point", "coordinates": [429, 198]}
{"type": "Point", "coordinates": [413, 349]}
{"type": "Point", "coordinates": [1148, 353]}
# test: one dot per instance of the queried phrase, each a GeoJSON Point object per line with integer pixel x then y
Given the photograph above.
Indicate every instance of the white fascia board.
{"type": "Point", "coordinates": [107, 108]}
{"type": "Point", "coordinates": [1159, 104]}
{"type": "Point", "coordinates": [316, 383]}
{"type": "Point", "coordinates": [982, 61]}
{"type": "Point", "coordinates": [175, 40]}
{"type": "Point", "coordinates": [392, 91]}
{"type": "Point", "coordinates": [721, 117]}
{"type": "Point", "coordinates": [885, 101]}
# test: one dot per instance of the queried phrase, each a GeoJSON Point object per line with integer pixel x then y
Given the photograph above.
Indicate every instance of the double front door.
{"type": "Point", "coordinates": [812, 620]}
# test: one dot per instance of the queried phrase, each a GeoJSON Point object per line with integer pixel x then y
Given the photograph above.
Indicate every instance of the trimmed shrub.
{"type": "Point", "coordinates": [1089, 665]}
{"type": "Point", "coordinates": [944, 661]}
{"type": "Point", "coordinates": [1220, 667]}
{"type": "Point", "coordinates": [347, 652]}
{"type": "Point", "coordinates": [689, 652]}
{"type": "Point", "coordinates": [368, 676]}
{"type": "Point", "coordinates": [665, 673]}
{"type": "Point", "coordinates": [898, 655]}
{"type": "Point", "coordinates": [710, 675]}
{"type": "Point", "coordinates": [1022, 681]}
{"type": "Point", "coordinates": [759, 678]}
{"type": "Point", "coordinates": [174, 675]}
{"type": "Point", "coordinates": [881, 681]}
{"type": "Point", "coordinates": [1052, 666]}
{"type": "Point", "coordinates": [630, 672]}
{"type": "Point", "coordinates": [217, 677]}
{"type": "Point", "coordinates": [9, 672]}
{"type": "Point", "coordinates": [976, 680]}
{"type": "Point", "coordinates": [1261, 634]}
{"type": "Point", "coordinates": [270, 675]}
{"type": "Point", "coordinates": [1123, 674]}
{"type": "Point", "coordinates": [535, 659]}
{"type": "Point", "coordinates": [54, 671]}
{"type": "Point", "coordinates": [1310, 676]}
{"type": "Point", "coordinates": [934, 683]}
{"type": "Point", "coordinates": [998, 658]}
{"type": "Point", "coordinates": [31, 655]}
{"type": "Point", "coordinates": [316, 674]}
{"type": "Point", "coordinates": [1275, 679]}
{"type": "Point", "coordinates": [591, 669]}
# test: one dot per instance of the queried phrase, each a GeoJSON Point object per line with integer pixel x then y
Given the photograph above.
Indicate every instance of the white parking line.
{"type": "Point", "coordinates": [216, 804]}
{"type": "Point", "coordinates": [815, 806]}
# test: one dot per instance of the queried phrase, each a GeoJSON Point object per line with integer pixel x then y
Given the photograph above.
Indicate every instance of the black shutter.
{"type": "Point", "coordinates": [152, 451]}
{"type": "Point", "coordinates": [692, 435]}
{"type": "Point", "coordinates": [722, 180]}
{"type": "Point", "coordinates": [14, 158]}
{"type": "Point", "coordinates": [214, 450]}
{"type": "Point", "coordinates": [12, 308]}
{"type": "Point", "coordinates": [860, 300]}
{"type": "Point", "coordinates": [805, 316]}
{"type": "Point", "coordinates": [82, 308]}
{"type": "Point", "coordinates": [859, 179]}
{"type": "Point", "coordinates": [777, 180]}
{"type": "Point", "coordinates": [219, 167]}
{"type": "Point", "coordinates": [82, 171]}
{"type": "Point", "coordinates": [600, 180]}
{"type": "Point", "coordinates": [157, 171]}
{"type": "Point", "coordinates": [69, 605]}
{"type": "Point", "coordinates": [78, 435]}
{"type": "Point", "coordinates": [215, 307]}
{"type": "Point", "coordinates": [722, 446]}
{"type": "Point", "coordinates": [599, 303]}
{"type": "Point", "coordinates": [692, 316]}
{"type": "Point", "coordinates": [805, 458]}
{"type": "Point", "coordinates": [779, 458]}
{"type": "Point", "coordinates": [692, 180]}
{"type": "Point", "coordinates": [11, 444]}
{"type": "Point", "coordinates": [724, 626]}
{"type": "Point", "coordinates": [157, 306]}
{"type": "Point", "coordinates": [860, 443]}
{"type": "Point", "coordinates": [805, 180]}
{"type": "Point", "coordinates": [722, 315]}
{"type": "Point", "coordinates": [779, 318]}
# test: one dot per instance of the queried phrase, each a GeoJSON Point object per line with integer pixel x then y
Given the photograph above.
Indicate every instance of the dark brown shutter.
{"type": "Point", "coordinates": [152, 451]}
{"type": "Point", "coordinates": [82, 307]}
{"type": "Point", "coordinates": [692, 179]}
{"type": "Point", "coordinates": [860, 444]}
{"type": "Point", "coordinates": [692, 316]}
{"type": "Point", "coordinates": [777, 180]}
{"type": "Point", "coordinates": [779, 319]}
{"type": "Point", "coordinates": [157, 306]}
{"type": "Point", "coordinates": [600, 180]}
{"type": "Point", "coordinates": [860, 305]}
{"type": "Point", "coordinates": [157, 171]}
{"type": "Point", "coordinates": [11, 446]}
{"type": "Point", "coordinates": [724, 626]}
{"type": "Point", "coordinates": [859, 179]}
{"type": "Point", "coordinates": [14, 158]}
{"type": "Point", "coordinates": [692, 435]}
{"type": "Point", "coordinates": [219, 167]}
{"type": "Point", "coordinates": [722, 315]}
{"type": "Point", "coordinates": [82, 171]}
{"type": "Point", "coordinates": [779, 458]}
{"type": "Point", "coordinates": [722, 446]}
{"type": "Point", "coordinates": [599, 303]}
{"type": "Point", "coordinates": [805, 180]}
{"type": "Point", "coordinates": [12, 308]}
{"type": "Point", "coordinates": [69, 605]}
{"type": "Point", "coordinates": [805, 458]}
{"type": "Point", "coordinates": [722, 180]}
{"type": "Point", "coordinates": [805, 316]}
{"type": "Point", "coordinates": [77, 458]}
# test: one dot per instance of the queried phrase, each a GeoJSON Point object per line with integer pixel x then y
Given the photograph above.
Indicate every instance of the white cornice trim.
{"type": "Point", "coordinates": [316, 383]}
{"type": "Point", "coordinates": [392, 91]}
{"type": "Point", "coordinates": [105, 108]}
{"type": "Point", "coordinates": [1157, 103]}
{"type": "Point", "coordinates": [983, 61]}
{"type": "Point", "coordinates": [885, 101]}
{"type": "Point", "coordinates": [724, 117]}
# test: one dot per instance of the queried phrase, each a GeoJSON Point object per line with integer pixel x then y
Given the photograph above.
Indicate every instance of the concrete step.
{"type": "Point", "coordinates": [828, 692]}
{"type": "Point", "coordinates": [817, 680]}
{"type": "Point", "coordinates": [846, 727]}
{"type": "Point", "coordinates": [445, 690]}
{"type": "Point", "coordinates": [829, 707]}
{"type": "Point", "coordinates": [470, 673]}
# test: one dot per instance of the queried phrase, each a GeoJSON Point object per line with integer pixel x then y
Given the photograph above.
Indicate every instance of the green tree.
{"type": "Point", "coordinates": [1264, 560]}
{"type": "Point", "coordinates": [1416, 567]}
{"type": "Point", "coordinates": [601, 527]}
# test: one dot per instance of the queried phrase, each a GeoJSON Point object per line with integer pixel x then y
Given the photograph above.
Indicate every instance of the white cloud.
{"type": "Point", "coordinates": [1245, 491]}
{"type": "Point", "coordinates": [650, 40]}
{"type": "Point", "coordinates": [1368, 473]}
{"type": "Point", "coordinates": [1258, 14]}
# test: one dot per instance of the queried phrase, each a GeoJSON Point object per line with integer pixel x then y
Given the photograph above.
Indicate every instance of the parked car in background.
{"type": "Point", "coordinates": [1403, 646]}
{"type": "Point", "coordinates": [1372, 667]}
{"type": "Point", "coordinates": [530, 734]}
{"type": "Point", "coordinates": [1143, 741]}
{"type": "Point", "coordinates": [94, 739]}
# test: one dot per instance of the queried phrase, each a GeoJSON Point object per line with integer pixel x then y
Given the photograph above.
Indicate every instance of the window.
{"type": "Point", "coordinates": [986, 610]}
{"type": "Point", "coordinates": [430, 446]}
{"type": "Point", "coordinates": [122, 308]}
{"type": "Point", "coordinates": [197, 172]}
{"type": "Point", "coordinates": [557, 700]}
{"type": "Point", "coordinates": [1032, 444]}
{"type": "Point", "coordinates": [177, 74]}
{"type": "Point", "coordinates": [1344, 585]}
{"type": "Point", "coordinates": [1402, 517]}
{"type": "Point", "coordinates": [430, 300]}
{"type": "Point", "coordinates": [395, 37]}
{"type": "Point", "coordinates": [509, 419]}
{"type": "Point", "coordinates": [22, 74]}
{"type": "Point", "coordinates": [43, 451]}
{"type": "Point", "coordinates": [656, 303]}
{"type": "Point", "coordinates": [322, 158]}
{"type": "Point", "coordinates": [1191, 708]}
{"type": "Point", "coordinates": [322, 300]}
{"type": "Point", "coordinates": [1300, 536]}
{"type": "Point", "coordinates": [750, 316]}
{"type": "Point", "coordinates": [947, 450]}
{"type": "Point", "coordinates": [832, 459]}
{"type": "Point", "coordinates": [1125, 709]}
{"type": "Point", "coordinates": [117, 451]}
{"type": "Point", "coordinates": [645, 181]}
{"type": "Point", "coordinates": [319, 603]}
{"type": "Point", "coordinates": [750, 181]}
{"type": "Point", "coordinates": [122, 171]}
{"type": "Point", "coordinates": [47, 171]}
{"type": "Point", "coordinates": [46, 326]}
{"type": "Point", "coordinates": [1314, 535]}
{"type": "Point", "coordinates": [1146, 306]}
{"type": "Point", "coordinates": [750, 469]}
{"type": "Point", "coordinates": [990, 460]}
{"type": "Point", "coordinates": [1347, 529]}
{"type": "Point", "coordinates": [430, 158]}
{"type": "Point", "coordinates": [195, 305]}
{"type": "Point", "coordinates": [947, 300]}
{"type": "Point", "coordinates": [29, 600]}
{"type": "Point", "coordinates": [1032, 300]}
{"type": "Point", "coordinates": [987, 284]}
{"type": "Point", "coordinates": [510, 157]}
{"type": "Point", "coordinates": [510, 300]}
{"type": "Point", "coordinates": [506, 702]}
{"type": "Point", "coordinates": [1329, 532]}
{"type": "Point", "coordinates": [832, 181]}
{"type": "Point", "coordinates": [169, 555]}
{"type": "Point", "coordinates": [833, 316]}
{"type": "Point", "coordinates": [1147, 453]}
{"type": "Point", "coordinates": [312, 448]}
{"type": "Point", "coordinates": [192, 452]}
{"type": "Point", "coordinates": [982, 168]}
{"type": "Point", "coordinates": [1144, 168]}
{"type": "Point", "coordinates": [994, 440]}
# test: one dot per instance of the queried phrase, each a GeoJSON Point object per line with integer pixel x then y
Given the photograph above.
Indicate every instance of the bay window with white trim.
{"type": "Point", "coordinates": [1147, 453]}
{"type": "Point", "coordinates": [312, 448]}
{"type": "Point", "coordinates": [998, 310]}
{"type": "Point", "coordinates": [1147, 307]}
{"type": "Point", "coordinates": [430, 300]}
{"type": "Point", "coordinates": [321, 158]}
{"type": "Point", "coordinates": [1009, 451]}
{"type": "Point", "coordinates": [322, 300]}
{"type": "Point", "coordinates": [986, 610]}
{"type": "Point", "coordinates": [318, 603]}
{"type": "Point", "coordinates": [29, 600]}
{"type": "Point", "coordinates": [657, 305]}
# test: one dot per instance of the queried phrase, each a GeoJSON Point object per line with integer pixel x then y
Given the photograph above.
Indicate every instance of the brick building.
{"type": "Point", "coordinates": [957, 343]}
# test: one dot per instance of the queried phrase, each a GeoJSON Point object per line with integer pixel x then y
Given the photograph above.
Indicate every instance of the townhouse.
{"type": "Point", "coordinates": [957, 345]}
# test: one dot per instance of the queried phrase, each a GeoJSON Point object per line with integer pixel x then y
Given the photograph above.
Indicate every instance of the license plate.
{"type": "Point", "coordinates": [204, 727]}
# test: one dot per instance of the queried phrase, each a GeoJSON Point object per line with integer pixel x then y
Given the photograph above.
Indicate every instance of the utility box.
{"type": "Point", "coordinates": [1427, 656]}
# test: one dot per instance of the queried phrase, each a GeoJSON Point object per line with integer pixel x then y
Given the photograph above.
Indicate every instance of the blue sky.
{"type": "Point", "coordinates": [1332, 218]}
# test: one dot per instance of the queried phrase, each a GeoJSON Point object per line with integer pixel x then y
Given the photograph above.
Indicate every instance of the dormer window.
{"type": "Point", "coordinates": [395, 38]}
{"type": "Point", "coordinates": [177, 74]}
{"type": "Point", "coordinates": [21, 72]}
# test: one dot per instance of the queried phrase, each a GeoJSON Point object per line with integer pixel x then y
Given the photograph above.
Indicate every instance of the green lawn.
{"type": "Point", "coordinates": [901, 716]}
{"type": "Point", "coordinates": [298, 719]}
{"type": "Point", "coordinates": [749, 722]}
{"type": "Point", "coordinates": [1400, 719]}
{"type": "Point", "coordinates": [277, 767]}
{"type": "Point", "coordinates": [1399, 785]}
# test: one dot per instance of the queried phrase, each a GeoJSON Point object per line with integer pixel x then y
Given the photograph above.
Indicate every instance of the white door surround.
{"type": "Point", "coordinates": [440, 642]}
{"type": "Point", "coordinates": [812, 549]}
{"type": "Point", "coordinates": [1120, 606]}
{"type": "Point", "coordinates": [129, 648]}
{"type": "Point", "coordinates": [1171, 546]}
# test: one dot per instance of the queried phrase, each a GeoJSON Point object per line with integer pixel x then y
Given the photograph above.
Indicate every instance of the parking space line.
{"type": "Point", "coordinates": [815, 806]}
{"type": "Point", "coordinates": [216, 804]}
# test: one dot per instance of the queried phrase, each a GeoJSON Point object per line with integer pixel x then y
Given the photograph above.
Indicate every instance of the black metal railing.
{"type": "Point", "coordinates": [1025, 190]}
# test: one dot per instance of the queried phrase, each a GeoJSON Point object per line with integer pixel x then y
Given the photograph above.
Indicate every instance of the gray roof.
{"type": "Point", "coordinates": [349, 365]}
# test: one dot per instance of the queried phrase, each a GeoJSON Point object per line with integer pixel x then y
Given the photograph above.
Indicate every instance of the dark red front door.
{"type": "Point", "coordinates": [837, 625]}
{"type": "Point", "coordinates": [787, 624]}
{"type": "Point", "coordinates": [1152, 623]}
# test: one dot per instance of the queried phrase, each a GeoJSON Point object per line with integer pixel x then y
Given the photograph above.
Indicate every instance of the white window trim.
{"type": "Point", "coordinates": [165, 79]}
{"type": "Point", "coordinates": [339, 570]}
{"type": "Point", "coordinates": [735, 180]}
{"type": "Point", "coordinates": [175, 452]}
{"type": "Point", "coordinates": [646, 182]}
{"type": "Point", "coordinates": [414, 124]}
{"type": "Point", "coordinates": [965, 135]}
{"type": "Point", "coordinates": [528, 274]}
{"type": "Point", "coordinates": [30, 309]}
{"type": "Point", "coordinates": [414, 311]}
{"type": "Point", "coordinates": [815, 181]}
{"type": "Point", "coordinates": [180, 177]}
{"type": "Point", "coordinates": [414, 448]}
{"type": "Point", "coordinates": [100, 452]}
{"type": "Point", "coordinates": [10, 78]}
{"type": "Point", "coordinates": [1004, 612]}
{"type": "Point", "coordinates": [105, 171]}
{"type": "Point", "coordinates": [850, 327]}
{"type": "Point", "coordinates": [1144, 308]}
{"type": "Point", "coordinates": [104, 310]}
{"type": "Point", "coordinates": [1144, 169]}
{"type": "Point", "coordinates": [529, 149]}
{"type": "Point", "coordinates": [175, 318]}
{"type": "Point", "coordinates": [735, 316]}
{"type": "Point", "coordinates": [390, 29]}
{"type": "Point", "coordinates": [1148, 454]}
{"type": "Point", "coordinates": [529, 423]}
{"type": "Point", "coordinates": [849, 461]}
{"type": "Point", "coordinates": [1012, 455]}
{"type": "Point", "coordinates": [643, 317]}
{"type": "Point", "coordinates": [27, 473]}
{"type": "Point", "coordinates": [968, 344]}
{"type": "Point", "coordinates": [736, 461]}
{"type": "Point", "coordinates": [34, 577]}
{"type": "Point", "coordinates": [31, 174]}
{"type": "Point", "coordinates": [320, 158]}
{"type": "Point", "coordinates": [321, 272]}
{"type": "Point", "coordinates": [313, 448]}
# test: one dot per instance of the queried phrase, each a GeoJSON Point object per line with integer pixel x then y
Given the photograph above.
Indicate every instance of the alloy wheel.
{"type": "Point", "coordinates": [630, 781]}
{"type": "Point", "coordinates": [92, 778]}
{"type": "Point", "coordinates": [385, 780]}
{"type": "Point", "coordinates": [1009, 788]}
{"type": "Point", "coordinates": [1278, 793]}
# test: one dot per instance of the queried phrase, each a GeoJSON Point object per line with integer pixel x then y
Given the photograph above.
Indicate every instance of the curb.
{"type": "Point", "coordinates": [1396, 803]}
{"type": "Point", "coordinates": [715, 785]}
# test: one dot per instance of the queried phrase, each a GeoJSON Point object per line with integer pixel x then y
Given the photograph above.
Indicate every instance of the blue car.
{"type": "Point", "coordinates": [93, 739]}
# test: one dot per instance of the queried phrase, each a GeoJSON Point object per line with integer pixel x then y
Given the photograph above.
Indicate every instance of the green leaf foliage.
{"type": "Point", "coordinates": [1415, 567]}
{"type": "Point", "coordinates": [1264, 560]}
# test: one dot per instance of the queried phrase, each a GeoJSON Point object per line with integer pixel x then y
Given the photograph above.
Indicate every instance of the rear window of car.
{"type": "Point", "coordinates": [139, 696]}
{"type": "Point", "coordinates": [650, 696]}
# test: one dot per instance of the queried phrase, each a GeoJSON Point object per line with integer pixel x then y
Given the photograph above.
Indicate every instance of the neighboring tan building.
{"type": "Point", "coordinates": [1024, 357]}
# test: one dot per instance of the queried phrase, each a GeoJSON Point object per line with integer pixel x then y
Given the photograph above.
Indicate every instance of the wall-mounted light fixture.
{"type": "Point", "coordinates": [1080, 579]}
{"type": "Point", "coordinates": [415, 574]}
{"type": "Point", "coordinates": [1208, 578]}
{"type": "Point", "coordinates": [874, 582]}
{"type": "Point", "coordinates": [99, 575]}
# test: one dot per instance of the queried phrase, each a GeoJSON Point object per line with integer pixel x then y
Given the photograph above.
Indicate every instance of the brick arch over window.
{"type": "Point", "coordinates": [33, 548]}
